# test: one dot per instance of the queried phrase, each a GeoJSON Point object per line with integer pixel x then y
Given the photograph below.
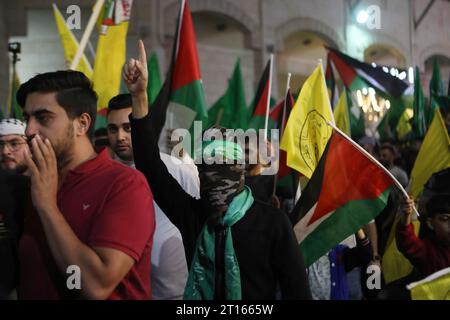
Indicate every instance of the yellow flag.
{"type": "Point", "coordinates": [434, 287]}
{"type": "Point", "coordinates": [404, 126]}
{"type": "Point", "coordinates": [109, 60]}
{"type": "Point", "coordinates": [70, 44]}
{"type": "Point", "coordinates": [341, 114]}
{"type": "Point", "coordinates": [434, 154]}
{"type": "Point", "coordinates": [394, 264]}
{"type": "Point", "coordinates": [307, 132]}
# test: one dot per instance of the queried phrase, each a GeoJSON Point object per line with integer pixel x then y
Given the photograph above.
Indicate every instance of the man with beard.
{"type": "Point", "coordinates": [169, 268]}
{"type": "Point", "coordinates": [237, 247]}
{"type": "Point", "coordinates": [13, 194]}
{"type": "Point", "coordinates": [90, 232]}
{"type": "Point", "coordinates": [12, 145]}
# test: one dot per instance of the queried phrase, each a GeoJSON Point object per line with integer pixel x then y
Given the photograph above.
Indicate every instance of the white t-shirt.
{"type": "Point", "coordinates": [169, 269]}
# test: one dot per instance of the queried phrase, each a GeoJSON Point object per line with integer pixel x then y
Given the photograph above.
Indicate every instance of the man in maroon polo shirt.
{"type": "Point", "coordinates": [90, 232]}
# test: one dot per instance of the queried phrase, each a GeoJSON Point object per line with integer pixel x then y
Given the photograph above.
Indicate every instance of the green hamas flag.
{"type": "Point", "coordinates": [15, 110]}
{"type": "Point", "coordinates": [230, 111]}
{"type": "Point", "coordinates": [154, 78]}
{"type": "Point", "coordinates": [419, 121]}
{"type": "Point", "coordinates": [436, 90]}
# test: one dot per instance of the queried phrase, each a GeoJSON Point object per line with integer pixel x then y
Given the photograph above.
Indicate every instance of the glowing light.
{"type": "Point", "coordinates": [362, 17]}
{"type": "Point", "coordinates": [387, 104]}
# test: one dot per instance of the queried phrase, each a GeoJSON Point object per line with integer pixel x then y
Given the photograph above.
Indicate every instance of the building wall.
{"type": "Point", "coordinates": [258, 27]}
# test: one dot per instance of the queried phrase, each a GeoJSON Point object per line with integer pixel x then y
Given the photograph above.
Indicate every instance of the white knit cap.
{"type": "Point", "coordinates": [12, 126]}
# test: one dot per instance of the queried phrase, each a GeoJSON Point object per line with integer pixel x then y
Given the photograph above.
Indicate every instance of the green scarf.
{"type": "Point", "coordinates": [200, 283]}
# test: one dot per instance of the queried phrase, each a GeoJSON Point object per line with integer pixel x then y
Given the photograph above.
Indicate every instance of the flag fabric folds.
{"type": "Point", "coordinates": [230, 111]}
{"type": "Point", "coordinates": [345, 192]}
{"type": "Point", "coordinates": [154, 78]}
{"type": "Point", "coordinates": [70, 45]}
{"type": "Point", "coordinates": [434, 154]}
{"type": "Point", "coordinates": [110, 53]}
{"type": "Point", "coordinates": [258, 106]}
{"type": "Point", "coordinates": [181, 99]}
{"type": "Point", "coordinates": [419, 122]}
{"type": "Point", "coordinates": [307, 132]}
{"type": "Point", "coordinates": [14, 109]}
{"type": "Point", "coordinates": [433, 287]}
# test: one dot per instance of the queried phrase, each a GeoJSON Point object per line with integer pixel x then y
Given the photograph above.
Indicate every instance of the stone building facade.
{"type": "Point", "coordinates": [410, 32]}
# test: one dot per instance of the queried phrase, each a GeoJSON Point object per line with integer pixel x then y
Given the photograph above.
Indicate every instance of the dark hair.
{"type": "Point", "coordinates": [74, 93]}
{"type": "Point", "coordinates": [439, 203]}
{"type": "Point", "coordinates": [121, 101]}
{"type": "Point", "coordinates": [100, 132]}
{"type": "Point", "coordinates": [390, 147]}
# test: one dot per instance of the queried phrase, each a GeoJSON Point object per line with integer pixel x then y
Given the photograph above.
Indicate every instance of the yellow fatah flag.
{"type": "Point", "coordinates": [341, 114]}
{"type": "Point", "coordinates": [434, 154]}
{"type": "Point", "coordinates": [394, 264]}
{"type": "Point", "coordinates": [307, 132]}
{"type": "Point", "coordinates": [434, 287]}
{"type": "Point", "coordinates": [109, 58]}
{"type": "Point", "coordinates": [70, 44]}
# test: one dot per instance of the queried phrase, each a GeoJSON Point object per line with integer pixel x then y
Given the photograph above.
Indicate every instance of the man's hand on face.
{"type": "Point", "coordinates": [44, 174]}
{"type": "Point", "coordinates": [135, 73]}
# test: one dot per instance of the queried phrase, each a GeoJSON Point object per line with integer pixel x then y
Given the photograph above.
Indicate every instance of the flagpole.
{"type": "Point", "coordinates": [283, 118]}
{"type": "Point", "coordinates": [375, 161]}
{"type": "Point", "coordinates": [266, 124]}
{"type": "Point", "coordinates": [87, 33]}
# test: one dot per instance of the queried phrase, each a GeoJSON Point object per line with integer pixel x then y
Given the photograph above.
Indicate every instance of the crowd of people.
{"type": "Point", "coordinates": [141, 224]}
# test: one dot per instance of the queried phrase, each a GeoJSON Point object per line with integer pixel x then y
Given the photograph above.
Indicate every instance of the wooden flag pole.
{"type": "Point", "coordinates": [87, 33]}
{"type": "Point", "coordinates": [266, 124]}
{"type": "Point", "coordinates": [283, 119]}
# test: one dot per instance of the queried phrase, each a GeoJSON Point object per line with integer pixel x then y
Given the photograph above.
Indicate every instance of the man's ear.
{"type": "Point", "coordinates": [429, 224]}
{"type": "Point", "coordinates": [84, 123]}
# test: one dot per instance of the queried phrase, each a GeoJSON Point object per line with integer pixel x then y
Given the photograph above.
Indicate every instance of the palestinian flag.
{"type": "Point", "coordinates": [182, 97]}
{"type": "Point", "coordinates": [282, 114]}
{"type": "Point", "coordinates": [261, 101]}
{"type": "Point", "coordinates": [357, 75]}
{"type": "Point", "coordinates": [346, 191]}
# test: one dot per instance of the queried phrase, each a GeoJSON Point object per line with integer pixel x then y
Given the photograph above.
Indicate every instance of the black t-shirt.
{"type": "Point", "coordinates": [14, 192]}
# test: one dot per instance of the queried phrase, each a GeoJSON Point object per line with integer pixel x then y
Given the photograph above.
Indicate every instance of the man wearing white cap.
{"type": "Point", "coordinates": [12, 145]}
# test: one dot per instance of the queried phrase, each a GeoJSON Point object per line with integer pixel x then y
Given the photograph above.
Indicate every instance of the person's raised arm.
{"type": "Point", "coordinates": [145, 145]}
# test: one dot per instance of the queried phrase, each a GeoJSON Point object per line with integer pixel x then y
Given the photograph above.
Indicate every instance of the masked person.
{"type": "Point", "coordinates": [237, 247]}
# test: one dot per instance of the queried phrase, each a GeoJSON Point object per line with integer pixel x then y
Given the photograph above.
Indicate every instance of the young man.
{"type": "Point", "coordinates": [14, 191]}
{"type": "Point", "coordinates": [13, 142]}
{"type": "Point", "coordinates": [90, 232]}
{"type": "Point", "coordinates": [169, 268]}
{"type": "Point", "coordinates": [245, 248]}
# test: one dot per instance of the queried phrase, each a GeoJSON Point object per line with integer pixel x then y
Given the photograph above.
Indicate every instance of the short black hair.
{"type": "Point", "coordinates": [438, 203]}
{"type": "Point", "coordinates": [121, 101]}
{"type": "Point", "coordinates": [74, 93]}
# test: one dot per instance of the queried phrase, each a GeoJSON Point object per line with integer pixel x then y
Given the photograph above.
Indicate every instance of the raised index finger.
{"type": "Point", "coordinates": [142, 54]}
